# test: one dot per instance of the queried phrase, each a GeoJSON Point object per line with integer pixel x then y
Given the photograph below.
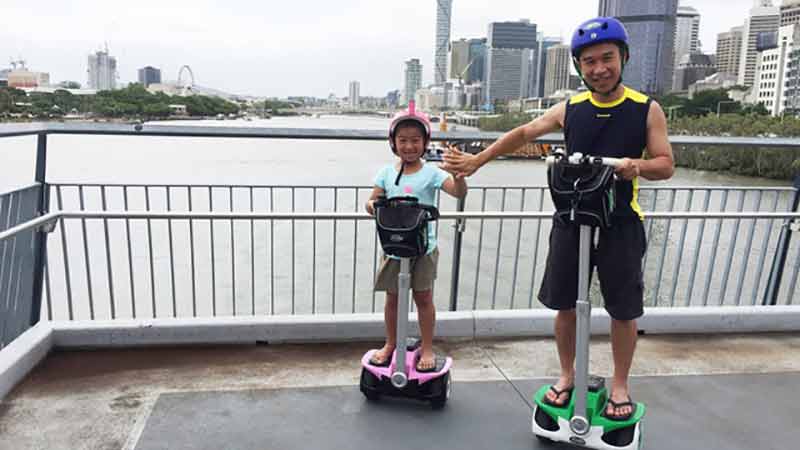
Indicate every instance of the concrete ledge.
{"type": "Point", "coordinates": [467, 324]}
{"type": "Point", "coordinates": [721, 319]}
{"type": "Point", "coordinates": [239, 330]}
{"type": "Point", "coordinates": [659, 320]}
{"type": "Point", "coordinates": [23, 354]}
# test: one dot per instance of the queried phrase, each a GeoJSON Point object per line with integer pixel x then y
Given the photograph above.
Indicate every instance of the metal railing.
{"type": "Point", "coordinates": [135, 279]}
{"type": "Point", "coordinates": [214, 250]}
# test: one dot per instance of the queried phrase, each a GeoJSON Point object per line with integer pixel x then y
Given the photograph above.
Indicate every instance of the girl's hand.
{"type": "Point", "coordinates": [458, 163]}
{"type": "Point", "coordinates": [370, 206]}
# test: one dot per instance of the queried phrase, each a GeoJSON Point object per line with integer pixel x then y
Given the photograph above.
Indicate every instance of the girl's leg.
{"type": "Point", "coordinates": [390, 320]}
{"type": "Point", "coordinates": [426, 313]}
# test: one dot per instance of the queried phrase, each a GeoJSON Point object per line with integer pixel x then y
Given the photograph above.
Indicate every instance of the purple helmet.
{"type": "Point", "coordinates": [597, 30]}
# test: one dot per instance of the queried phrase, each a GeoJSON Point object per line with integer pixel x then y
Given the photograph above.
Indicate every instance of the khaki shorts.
{"type": "Point", "coordinates": [423, 272]}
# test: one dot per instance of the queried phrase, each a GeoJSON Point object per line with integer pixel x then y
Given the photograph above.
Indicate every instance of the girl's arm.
{"type": "Point", "coordinates": [369, 206]}
{"type": "Point", "coordinates": [455, 185]}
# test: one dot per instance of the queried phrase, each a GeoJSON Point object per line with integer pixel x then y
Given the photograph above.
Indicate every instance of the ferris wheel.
{"type": "Point", "coordinates": [185, 80]}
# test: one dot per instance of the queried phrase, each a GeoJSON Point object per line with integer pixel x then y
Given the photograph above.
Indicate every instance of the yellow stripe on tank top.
{"type": "Point", "coordinates": [635, 200]}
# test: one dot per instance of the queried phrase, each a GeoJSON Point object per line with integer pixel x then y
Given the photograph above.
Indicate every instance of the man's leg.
{"type": "Point", "coordinates": [619, 264]}
{"type": "Point", "coordinates": [565, 344]}
{"type": "Point", "coordinates": [426, 313]}
{"type": "Point", "coordinates": [623, 345]}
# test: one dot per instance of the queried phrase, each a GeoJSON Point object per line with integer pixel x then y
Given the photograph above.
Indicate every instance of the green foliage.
{"type": "Point", "coordinates": [9, 96]}
{"type": "Point", "coordinates": [275, 105]}
{"type": "Point", "coordinates": [504, 122]}
{"type": "Point", "coordinates": [132, 101]}
{"type": "Point", "coordinates": [777, 163]}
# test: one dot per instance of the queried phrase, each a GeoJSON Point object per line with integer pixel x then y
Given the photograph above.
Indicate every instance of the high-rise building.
{"type": "Point", "coordinates": [764, 18]}
{"type": "Point", "coordinates": [557, 76]}
{"type": "Point", "coordinates": [467, 60]}
{"type": "Point", "coordinates": [793, 78]}
{"type": "Point", "coordinates": [776, 80]}
{"type": "Point", "coordinates": [354, 97]}
{"type": "Point", "coordinates": [149, 75]}
{"type": "Point", "coordinates": [509, 60]}
{"type": "Point", "coordinates": [477, 57]}
{"type": "Point", "coordinates": [537, 78]}
{"type": "Point", "coordinates": [790, 12]}
{"type": "Point", "coordinates": [393, 99]}
{"type": "Point", "coordinates": [729, 49]}
{"type": "Point", "coordinates": [521, 34]}
{"type": "Point", "coordinates": [687, 33]}
{"type": "Point", "coordinates": [24, 78]}
{"type": "Point", "coordinates": [651, 29]}
{"type": "Point", "coordinates": [459, 58]}
{"type": "Point", "coordinates": [412, 79]}
{"type": "Point", "coordinates": [444, 9]}
{"type": "Point", "coordinates": [102, 71]}
{"type": "Point", "coordinates": [691, 68]}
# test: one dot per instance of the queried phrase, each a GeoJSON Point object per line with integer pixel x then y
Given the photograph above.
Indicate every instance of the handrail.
{"type": "Point", "coordinates": [156, 129]}
{"type": "Point", "coordinates": [653, 187]}
{"type": "Point", "coordinates": [51, 218]}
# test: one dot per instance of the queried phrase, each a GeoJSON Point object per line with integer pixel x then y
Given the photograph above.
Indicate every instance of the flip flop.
{"type": "Point", "coordinates": [380, 362]}
{"type": "Point", "coordinates": [426, 369]}
{"type": "Point", "coordinates": [616, 406]}
{"type": "Point", "coordinates": [558, 393]}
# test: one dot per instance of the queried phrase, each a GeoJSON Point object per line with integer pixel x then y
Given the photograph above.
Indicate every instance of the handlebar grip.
{"type": "Point", "coordinates": [579, 158]}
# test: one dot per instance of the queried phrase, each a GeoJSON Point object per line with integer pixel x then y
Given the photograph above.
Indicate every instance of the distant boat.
{"type": "Point", "coordinates": [434, 153]}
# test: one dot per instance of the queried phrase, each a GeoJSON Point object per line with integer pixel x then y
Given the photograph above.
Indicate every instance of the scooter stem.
{"type": "Point", "coordinates": [583, 330]}
{"type": "Point", "coordinates": [400, 375]}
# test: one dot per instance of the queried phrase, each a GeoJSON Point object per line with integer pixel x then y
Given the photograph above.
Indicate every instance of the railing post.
{"type": "Point", "coordinates": [40, 248]}
{"type": "Point", "coordinates": [779, 262]}
{"type": "Point", "coordinates": [459, 231]}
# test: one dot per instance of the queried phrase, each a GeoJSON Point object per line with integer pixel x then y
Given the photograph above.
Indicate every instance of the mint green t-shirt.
{"type": "Point", "coordinates": [423, 184]}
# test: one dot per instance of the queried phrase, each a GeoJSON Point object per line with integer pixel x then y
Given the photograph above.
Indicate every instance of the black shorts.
{"type": "Point", "coordinates": [618, 258]}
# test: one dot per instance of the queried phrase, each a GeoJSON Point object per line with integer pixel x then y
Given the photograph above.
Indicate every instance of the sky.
{"type": "Point", "coordinates": [281, 48]}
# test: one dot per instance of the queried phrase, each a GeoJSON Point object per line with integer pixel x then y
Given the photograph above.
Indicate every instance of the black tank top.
{"type": "Point", "coordinates": [618, 130]}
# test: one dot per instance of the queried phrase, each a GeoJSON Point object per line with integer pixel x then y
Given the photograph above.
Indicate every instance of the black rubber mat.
{"type": "Point", "coordinates": [689, 412]}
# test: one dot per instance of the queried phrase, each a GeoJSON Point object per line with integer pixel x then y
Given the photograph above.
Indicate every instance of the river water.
{"type": "Point", "coordinates": [264, 267]}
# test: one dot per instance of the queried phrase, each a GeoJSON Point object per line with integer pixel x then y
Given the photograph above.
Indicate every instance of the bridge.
{"type": "Point", "coordinates": [196, 344]}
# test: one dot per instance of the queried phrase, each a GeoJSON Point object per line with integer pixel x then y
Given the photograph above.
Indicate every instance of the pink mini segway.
{"type": "Point", "coordinates": [402, 226]}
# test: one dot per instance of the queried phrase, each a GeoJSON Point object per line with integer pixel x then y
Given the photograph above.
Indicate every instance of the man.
{"type": "Point", "coordinates": [614, 121]}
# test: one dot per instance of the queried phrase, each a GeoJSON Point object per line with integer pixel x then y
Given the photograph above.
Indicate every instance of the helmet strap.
{"type": "Point", "coordinates": [400, 174]}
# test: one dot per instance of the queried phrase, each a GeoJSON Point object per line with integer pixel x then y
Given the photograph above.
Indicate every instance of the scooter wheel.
{"type": "Point", "coordinates": [623, 437]}
{"type": "Point", "coordinates": [544, 420]}
{"type": "Point", "coordinates": [444, 386]}
{"type": "Point", "coordinates": [543, 439]}
{"type": "Point", "coordinates": [368, 385]}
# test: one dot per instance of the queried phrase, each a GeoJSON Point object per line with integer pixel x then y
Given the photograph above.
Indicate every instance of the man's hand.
{"type": "Point", "coordinates": [628, 169]}
{"type": "Point", "coordinates": [459, 163]}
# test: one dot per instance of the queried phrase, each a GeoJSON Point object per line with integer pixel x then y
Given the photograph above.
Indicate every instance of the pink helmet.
{"type": "Point", "coordinates": [410, 114]}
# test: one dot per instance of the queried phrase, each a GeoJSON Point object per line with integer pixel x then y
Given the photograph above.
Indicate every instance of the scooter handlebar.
{"type": "Point", "coordinates": [580, 158]}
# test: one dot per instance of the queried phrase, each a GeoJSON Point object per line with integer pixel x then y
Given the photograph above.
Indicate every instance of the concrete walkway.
{"type": "Point", "coordinates": [165, 397]}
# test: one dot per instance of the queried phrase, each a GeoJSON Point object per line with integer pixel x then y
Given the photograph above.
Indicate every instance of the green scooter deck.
{"type": "Point", "coordinates": [596, 404]}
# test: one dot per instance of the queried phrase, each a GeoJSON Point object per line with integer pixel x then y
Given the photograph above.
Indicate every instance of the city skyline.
{"type": "Point", "coordinates": [276, 50]}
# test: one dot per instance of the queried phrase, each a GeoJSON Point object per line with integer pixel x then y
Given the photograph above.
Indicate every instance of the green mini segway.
{"type": "Point", "coordinates": [574, 181]}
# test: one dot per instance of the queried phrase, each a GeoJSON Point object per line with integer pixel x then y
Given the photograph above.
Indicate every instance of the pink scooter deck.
{"type": "Point", "coordinates": [411, 364]}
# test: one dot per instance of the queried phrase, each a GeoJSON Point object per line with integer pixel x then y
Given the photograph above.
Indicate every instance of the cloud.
{"type": "Point", "coordinates": [278, 47]}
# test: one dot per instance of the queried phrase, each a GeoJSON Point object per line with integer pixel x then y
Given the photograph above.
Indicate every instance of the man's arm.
{"type": "Point", "coordinates": [465, 164]}
{"type": "Point", "coordinates": [660, 165]}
